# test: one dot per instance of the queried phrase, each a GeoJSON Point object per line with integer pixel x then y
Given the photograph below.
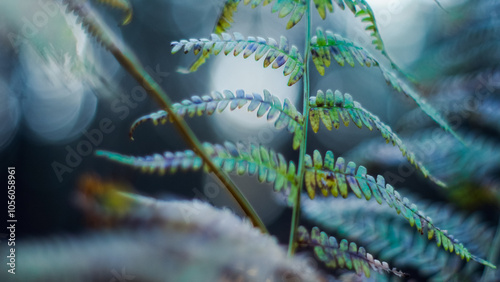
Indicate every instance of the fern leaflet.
{"type": "Point", "coordinates": [275, 54]}
{"type": "Point", "coordinates": [343, 255]}
{"type": "Point", "coordinates": [333, 176]}
{"type": "Point", "coordinates": [286, 113]}
{"type": "Point", "coordinates": [223, 23]}
{"type": "Point", "coordinates": [91, 24]}
{"type": "Point", "coordinates": [328, 107]}
{"type": "Point", "coordinates": [269, 166]}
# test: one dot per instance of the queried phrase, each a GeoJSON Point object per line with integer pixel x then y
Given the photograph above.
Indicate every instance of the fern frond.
{"type": "Point", "coordinates": [274, 53]}
{"type": "Point", "coordinates": [342, 255]}
{"type": "Point", "coordinates": [123, 5]}
{"type": "Point", "coordinates": [286, 113]}
{"type": "Point", "coordinates": [328, 107]}
{"type": "Point", "coordinates": [381, 231]}
{"type": "Point", "coordinates": [327, 45]}
{"type": "Point", "coordinates": [267, 165]}
{"type": "Point", "coordinates": [296, 8]}
{"type": "Point", "coordinates": [332, 177]}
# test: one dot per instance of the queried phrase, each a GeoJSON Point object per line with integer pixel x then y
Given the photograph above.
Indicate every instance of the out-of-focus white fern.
{"type": "Point", "coordinates": [161, 241]}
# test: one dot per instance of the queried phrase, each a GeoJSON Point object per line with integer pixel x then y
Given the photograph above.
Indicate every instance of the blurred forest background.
{"type": "Point", "coordinates": [63, 97]}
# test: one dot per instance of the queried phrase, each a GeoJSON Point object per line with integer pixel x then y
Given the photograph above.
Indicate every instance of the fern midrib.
{"type": "Point", "coordinates": [303, 145]}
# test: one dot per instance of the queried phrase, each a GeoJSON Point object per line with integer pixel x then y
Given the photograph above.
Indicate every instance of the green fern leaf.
{"type": "Point", "coordinates": [285, 114]}
{"type": "Point", "coordinates": [274, 53]}
{"type": "Point", "coordinates": [123, 5]}
{"type": "Point", "coordinates": [332, 177]}
{"type": "Point", "coordinates": [328, 46]}
{"type": "Point", "coordinates": [267, 165]}
{"type": "Point", "coordinates": [341, 255]}
{"type": "Point", "coordinates": [328, 107]}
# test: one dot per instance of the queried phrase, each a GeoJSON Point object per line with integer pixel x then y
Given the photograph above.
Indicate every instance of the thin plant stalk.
{"type": "Point", "coordinates": [303, 145]}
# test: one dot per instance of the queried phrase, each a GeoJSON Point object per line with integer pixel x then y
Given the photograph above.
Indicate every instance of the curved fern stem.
{"type": "Point", "coordinates": [303, 145]}
{"type": "Point", "coordinates": [132, 65]}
